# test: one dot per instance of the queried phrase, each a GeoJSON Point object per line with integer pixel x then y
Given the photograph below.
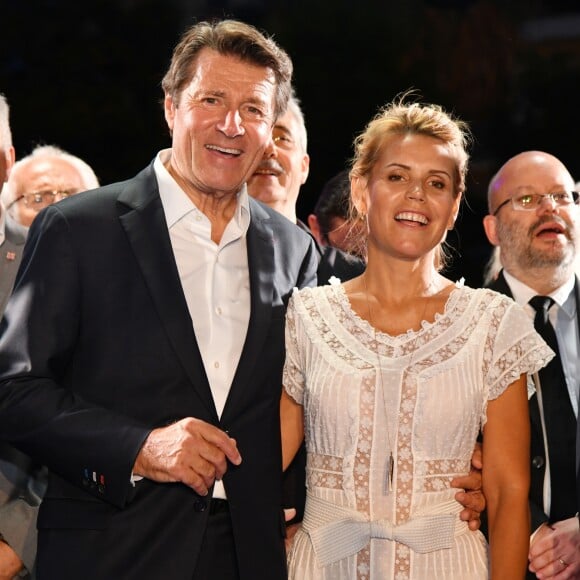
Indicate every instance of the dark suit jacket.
{"type": "Point", "coordinates": [21, 482]}
{"type": "Point", "coordinates": [10, 256]}
{"type": "Point", "coordinates": [98, 348]}
{"type": "Point", "coordinates": [537, 451]}
{"type": "Point", "coordinates": [578, 459]}
{"type": "Point", "coordinates": [334, 262]}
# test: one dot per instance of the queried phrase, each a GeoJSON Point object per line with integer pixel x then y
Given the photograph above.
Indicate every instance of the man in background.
{"type": "Point", "coordinates": [19, 493]}
{"type": "Point", "coordinates": [534, 220]}
{"type": "Point", "coordinates": [12, 235]}
{"type": "Point", "coordinates": [47, 175]}
{"type": "Point", "coordinates": [277, 180]}
{"type": "Point", "coordinates": [331, 222]}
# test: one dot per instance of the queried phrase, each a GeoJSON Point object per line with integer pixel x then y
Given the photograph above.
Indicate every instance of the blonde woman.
{"type": "Point", "coordinates": [392, 375]}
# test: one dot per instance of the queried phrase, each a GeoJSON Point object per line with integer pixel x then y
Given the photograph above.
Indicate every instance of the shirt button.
{"type": "Point", "coordinates": [216, 365]}
{"type": "Point", "coordinates": [218, 311]}
{"type": "Point", "coordinates": [197, 217]}
{"type": "Point", "coordinates": [200, 505]}
{"type": "Point", "coordinates": [538, 462]}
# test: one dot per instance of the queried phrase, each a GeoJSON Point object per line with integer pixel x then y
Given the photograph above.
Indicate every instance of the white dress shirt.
{"type": "Point", "coordinates": [215, 280]}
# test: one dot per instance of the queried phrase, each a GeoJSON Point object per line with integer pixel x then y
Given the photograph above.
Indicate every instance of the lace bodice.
{"type": "Point", "coordinates": [427, 410]}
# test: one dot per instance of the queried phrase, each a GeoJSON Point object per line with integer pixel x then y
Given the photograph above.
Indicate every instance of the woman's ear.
{"type": "Point", "coordinates": [359, 194]}
{"type": "Point", "coordinates": [455, 211]}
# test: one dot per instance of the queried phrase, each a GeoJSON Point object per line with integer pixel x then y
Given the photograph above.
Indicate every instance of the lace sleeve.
{"type": "Point", "coordinates": [516, 348]}
{"type": "Point", "coordinates": [293, 375]}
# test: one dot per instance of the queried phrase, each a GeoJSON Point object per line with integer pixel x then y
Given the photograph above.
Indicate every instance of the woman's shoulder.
{"type": "Point", "coordinates": [317, 292]}
{"type": "Point", "coordinates": [488, 297]}
{"type": "Point", "coordinates": [485, 304]}
{"type": "Point", "coordinates": [497, 310]}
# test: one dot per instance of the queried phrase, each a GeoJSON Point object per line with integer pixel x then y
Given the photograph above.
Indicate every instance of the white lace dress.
{"type": "Point", "coordinates": [437, 383]}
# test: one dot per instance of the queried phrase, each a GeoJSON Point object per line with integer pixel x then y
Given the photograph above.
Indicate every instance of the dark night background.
{"type": "Point", "coordinates": [85, 75]}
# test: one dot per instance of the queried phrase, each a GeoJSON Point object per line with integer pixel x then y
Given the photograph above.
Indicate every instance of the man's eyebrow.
{"type": "Point", "coordinates": [282, 127]}
{"type": "Point", "coordinates": [206, 92]}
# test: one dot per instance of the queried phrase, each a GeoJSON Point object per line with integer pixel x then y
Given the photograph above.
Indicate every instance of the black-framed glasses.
{"type": "Point", "coordinates": [531, 201]}
{"type": "Point", "coordinates": [40, 199]}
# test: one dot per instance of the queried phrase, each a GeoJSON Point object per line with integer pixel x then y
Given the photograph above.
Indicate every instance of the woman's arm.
{"type": "Point", "coordinates": [292, 427]}
{"type": "Point", "coordinates": [506, 481]}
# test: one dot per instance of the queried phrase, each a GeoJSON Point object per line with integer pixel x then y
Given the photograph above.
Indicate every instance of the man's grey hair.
{"type": "Point", "coordinates": [88, 177]}
{"type": "Point", "coordinates": [295, 108]}
{"type": "Point", "coordinates": [5, 133]}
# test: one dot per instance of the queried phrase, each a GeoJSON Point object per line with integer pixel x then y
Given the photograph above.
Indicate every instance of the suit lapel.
{"type": "Point", "coordinates": [500, 285]}
{"type": "Point", "coordinates": [260, 247]}
{"type": "Point", "coordinates": [577, 296]}
{"type": "Point", "coordinates": [143, 218]}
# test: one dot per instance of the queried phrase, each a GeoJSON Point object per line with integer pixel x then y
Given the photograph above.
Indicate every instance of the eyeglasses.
{"type": "Point", "coordinates": [531, 201]}
{"type": "Point", "coordinates": [40, 199]}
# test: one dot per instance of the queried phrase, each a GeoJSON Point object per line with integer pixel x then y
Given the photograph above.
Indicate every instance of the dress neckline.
{"type": "Point", "coordinates": [426, 325]}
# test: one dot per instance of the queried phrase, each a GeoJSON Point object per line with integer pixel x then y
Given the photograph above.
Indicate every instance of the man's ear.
{"type": "Point", "coordinates": [315, 228]}
{"type": "Point", "coordinates": [10, 159]}
{"type": "Point", "coordinates": [359, 194]}
{"type": "Point", "coordinates": [169, 109]}
{"type": "Point", "coordinates": [490, 227]}
{"type": "Point", "coordinates": [305, 167]}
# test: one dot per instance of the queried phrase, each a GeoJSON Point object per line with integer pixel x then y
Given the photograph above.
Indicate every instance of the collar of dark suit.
{"type": "Point", "coordinates": [501, 285]}
{"type": "Point", "coordinates": [141, 190]}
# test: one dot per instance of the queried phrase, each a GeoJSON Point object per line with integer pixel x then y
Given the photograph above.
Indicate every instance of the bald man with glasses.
{"type": "Point", "coordinates": [534, 219]}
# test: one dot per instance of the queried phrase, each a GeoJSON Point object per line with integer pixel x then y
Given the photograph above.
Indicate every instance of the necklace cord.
{"type": "Point", "coordinates": [390, 467]}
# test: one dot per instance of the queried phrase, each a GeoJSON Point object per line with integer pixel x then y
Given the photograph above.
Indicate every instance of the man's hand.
{"type": "Point", "coordinates": [10, 563]}
{"type": "Point", "coordinates": [555, 551]}
{"type": "Point", "coordinates": [472, 498]}
{"type": "Point", "coordinates": [291, 529]}
{"type": "Point", "coordinates": [190, 451]}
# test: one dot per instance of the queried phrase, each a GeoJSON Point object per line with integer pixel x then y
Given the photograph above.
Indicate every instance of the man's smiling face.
{"type": "Point", "coordinates": [221, 124]}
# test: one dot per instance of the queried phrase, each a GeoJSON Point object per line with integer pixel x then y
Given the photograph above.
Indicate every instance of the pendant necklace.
{"type": "Point", "coordinates": [390, 467]}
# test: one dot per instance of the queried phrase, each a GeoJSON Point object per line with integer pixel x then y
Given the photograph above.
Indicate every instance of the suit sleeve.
{"type": "Point", "coordinates": [41, 411]}
{"type": "Point", "coordinates": [307, 276]}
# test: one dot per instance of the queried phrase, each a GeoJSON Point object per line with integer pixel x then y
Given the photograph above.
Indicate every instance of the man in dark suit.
{"type": "Point", "coordinates": [534, 219]}
{"type": "Point", "coordinates": [149, 375]}
{"type": "Point", "coordinates": [19, 492]}
{"type": "Point", "coordinates": [21, 483]}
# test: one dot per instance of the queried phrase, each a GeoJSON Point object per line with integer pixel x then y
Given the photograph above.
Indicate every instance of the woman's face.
{"type": "Point", "coordinates": [409, 197]}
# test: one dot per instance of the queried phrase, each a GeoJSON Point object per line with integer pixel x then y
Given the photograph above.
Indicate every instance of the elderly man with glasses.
{"type": "Point", "coordinates": [47, 175]}
{"type": "Point", "coordinates": [534, 220]}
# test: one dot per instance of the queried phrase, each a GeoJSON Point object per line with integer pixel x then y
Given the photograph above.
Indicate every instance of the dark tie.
{"type": "Point", "coordinates": [559, 419]}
